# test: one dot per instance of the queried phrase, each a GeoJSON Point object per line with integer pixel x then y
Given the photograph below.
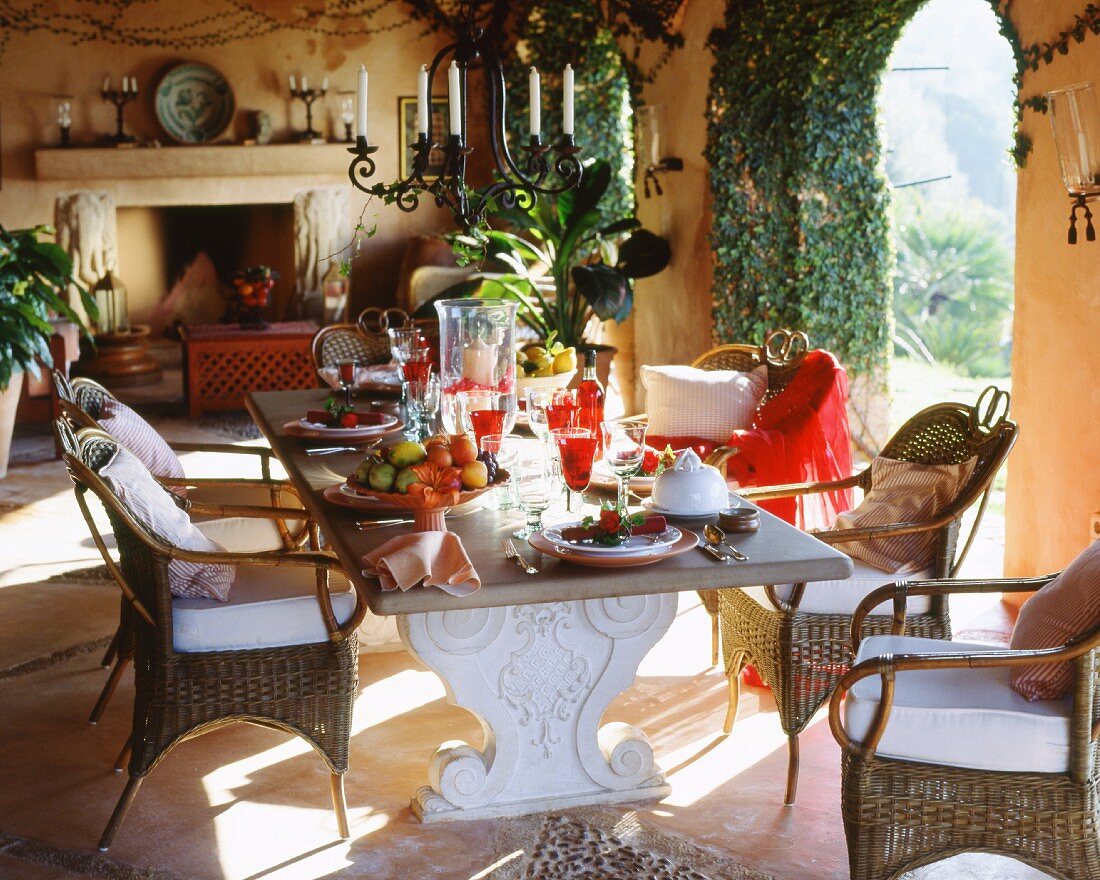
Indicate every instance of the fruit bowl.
{"type": "Point", "coordinates": [428, 514]}
{"type": "Point", "coordinates": [557, 381]}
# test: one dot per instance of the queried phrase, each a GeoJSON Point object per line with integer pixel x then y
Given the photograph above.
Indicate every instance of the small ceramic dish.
{"type": "Point", "coordinates": [690, 488]}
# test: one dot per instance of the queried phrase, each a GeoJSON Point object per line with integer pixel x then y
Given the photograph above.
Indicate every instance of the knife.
{"type": "Point", "coordinates": [713, 551]}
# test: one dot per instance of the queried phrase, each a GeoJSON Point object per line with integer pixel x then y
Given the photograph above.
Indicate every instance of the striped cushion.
{"type": "Point", "coordinates": [1067, 607]}
{"type": "Point", "coordinates": [709, 404]}
{"type": "Point", "coordinates": [902, 492]}
{"type": "Point", "coordinates": [141, 438]}
{"type": "Point", "coordinates": [154, 508]}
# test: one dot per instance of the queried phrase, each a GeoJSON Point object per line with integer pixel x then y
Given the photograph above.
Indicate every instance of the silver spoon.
{"type": "Point", "coordinates": [716, 536]}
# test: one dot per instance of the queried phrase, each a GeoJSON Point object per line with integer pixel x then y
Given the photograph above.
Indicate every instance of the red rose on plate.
{"type": "Point", "coordinates": [610, 521]}
{"type": "Point", "coordinates": [650, 461]}
{"type": "Point", "coordinates": [349, 420]}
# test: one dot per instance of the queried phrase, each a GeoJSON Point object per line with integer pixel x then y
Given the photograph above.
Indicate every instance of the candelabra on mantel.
{"type": "Point", "coordinates": [516, 186]}
{"type": "Point", "coordinates": [307, 96]}
{"type": "Point", "coordinates": [120, 98]}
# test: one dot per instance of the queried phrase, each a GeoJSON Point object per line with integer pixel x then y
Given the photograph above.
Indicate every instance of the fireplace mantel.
{"type": "Point", "coordinates": [197, 175]}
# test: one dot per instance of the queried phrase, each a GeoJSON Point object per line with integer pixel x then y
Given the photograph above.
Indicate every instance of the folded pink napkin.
{"type": "Point", "coordinates": [436, 558]}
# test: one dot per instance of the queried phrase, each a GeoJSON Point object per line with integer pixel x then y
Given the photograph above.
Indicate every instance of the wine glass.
{"type": "Point", "coordinates": [423, 403]}
{"type": "Point", "coordinates": [562, 410]}
{"type": "Point", "coordinates": [506, 448]}
{"type": "Point", "coordinates": [345, 377]}
{"type": "Point", "coordinates": [576, 452]}
{"type": "Point", "coordinates": [624, 449]}
{"type": "Point", "coordinates": [534, 487]}
{"type": "Point", "coordinates": [538, 399]}
{"type": "Point", "coordinates": [485, 412]}
{"type": "Point", "coordinates": [404, 346]}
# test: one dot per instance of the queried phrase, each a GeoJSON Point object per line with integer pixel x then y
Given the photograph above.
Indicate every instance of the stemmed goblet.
{"type": "Point", "coordinates": [624, 449]}
{"type": "Point", "coordinates": [534, 486]}
{"type": "Point", "coordinates": [345, 377]}
{"type": "Point", "coordinates": [576, 452]}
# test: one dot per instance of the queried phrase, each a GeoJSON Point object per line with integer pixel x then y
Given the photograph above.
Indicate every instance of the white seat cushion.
{"type": "Point", "coordinates": [268, 607]}
{"type": "Point", "coordinates": [842, 597]}
{"type": "Point", "coordinates": [242, 534]}
{"type": "Point", "coordinates": [959, 717]}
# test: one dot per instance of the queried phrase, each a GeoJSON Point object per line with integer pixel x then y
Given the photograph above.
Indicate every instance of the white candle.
{"type": "Point", "coordinates": [305, 83]}
{"type": "Point", "coordinates": [567, 100]}
{"type": "Point", "coordinates": [107, 83]}
{"type": "Point", "coordinates": [536, 102]}
{"type": "Point", "coordinates": [361, 104]}
{"type": "Point", "coordinates": [293, 83]}
{"type": "Point", "coordinates": [324, 84]}
{"type": "Point", "coordinates": [454, 87]}
{"type": "Point", "coordinates": [422, 104]}
{"type": "Point", "coordinates": [133, 84]}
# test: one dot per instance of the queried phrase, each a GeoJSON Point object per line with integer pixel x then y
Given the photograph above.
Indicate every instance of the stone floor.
{"type": "Point", "coordinates": [245, 803]}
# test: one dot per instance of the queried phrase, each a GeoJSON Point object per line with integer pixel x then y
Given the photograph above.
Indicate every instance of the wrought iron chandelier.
{"type": "Point", "coordinates": [517, 184]}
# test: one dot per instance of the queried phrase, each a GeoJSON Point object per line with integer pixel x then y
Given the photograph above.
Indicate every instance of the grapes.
{"type": "Point", "coordinates": [490, 462]}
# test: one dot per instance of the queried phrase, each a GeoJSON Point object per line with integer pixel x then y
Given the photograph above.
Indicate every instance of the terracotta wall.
{"type": "Point", "coordinates": [1054, 473]}
{"type": "Point", "coordinates": [32, 67]}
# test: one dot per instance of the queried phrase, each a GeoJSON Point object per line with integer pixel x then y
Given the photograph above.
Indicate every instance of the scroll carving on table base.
{"type": "Point", "coordinates": [539, 678]}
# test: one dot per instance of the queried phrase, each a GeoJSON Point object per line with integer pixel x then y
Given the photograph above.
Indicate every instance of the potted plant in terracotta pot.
{"type": "Point", "coordinates": [34, 275]}
{"type": "Point", "coordinates": [567, 264]}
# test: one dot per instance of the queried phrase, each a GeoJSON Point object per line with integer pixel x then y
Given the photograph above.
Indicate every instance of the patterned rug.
{"type": "Point", "coordinates": [585, 844]}
{"type": "Point", "coordinates": [236, 424]}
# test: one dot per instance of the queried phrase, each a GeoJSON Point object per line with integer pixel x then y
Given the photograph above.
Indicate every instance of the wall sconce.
{"type": "Point", "coordinates": [1075, 118]}
{"type": "Point", "coordinates": [649, 150]}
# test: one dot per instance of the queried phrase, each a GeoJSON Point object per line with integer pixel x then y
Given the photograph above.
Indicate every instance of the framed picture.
{"type": "Point", "coordinates": [406, 134]}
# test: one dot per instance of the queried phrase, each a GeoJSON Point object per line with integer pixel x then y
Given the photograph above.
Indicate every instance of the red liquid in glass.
{"type": "Point", "coordinates": [577, 455]}
{"type": "Point", "coordinates": [561, 415]}
{"type": "Point", "coordinates": [486, 422]}
{"type": "Point", "coordinates": [347, 372]}
{"type": "Point", "coordinates": [417, 371]}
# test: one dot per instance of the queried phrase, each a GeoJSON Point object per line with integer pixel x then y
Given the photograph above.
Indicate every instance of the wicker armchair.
{"type": "Point", "coordinates": [906, 806]}
{"type": "Point", "coordinates": [801, 655]}
{"type": "Point", "coordinates": [81, 401]}
{"type": "Point", "coordinates": [782, 353]}
{"type": "Point", "coordinates": [306, 689]}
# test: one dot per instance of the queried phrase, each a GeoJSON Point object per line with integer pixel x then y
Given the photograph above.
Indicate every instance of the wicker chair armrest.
{"type": "Point", "coordinates": [264, 453]}
{"type": "Point", "coordinates": [900, 591]}
{"type": "Point", "coordinates": [888, 665]}
{"type": "Point", "coordinates": [229, 483]}
{"type": "Point", "coordinates": [294, 514]}
{"type": "Point", "coordinates": [765, 493]}
{"type": "Point", "coordinates": [867, 533]}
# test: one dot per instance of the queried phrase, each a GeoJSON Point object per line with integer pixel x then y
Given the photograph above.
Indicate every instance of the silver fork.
{"type": "Point", "coordinates": [511, 552]}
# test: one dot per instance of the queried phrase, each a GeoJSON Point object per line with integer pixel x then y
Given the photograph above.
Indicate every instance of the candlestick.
{"type": "Point", "coordinates": [324, 84]}
{"type": "Point", "coordinates": [305, 83]}
{"type": "Point", "coordinates": [422, 105]}
{"type": "Point", "coordinates": [454, 96]}
{"type": "Point", "coordinates": [567, 100]}
{"type": "Point", "coordinates": [293, 83]}
{"type": "Point", "coordinates": [536, 102]}
{"type": "Point", "coordinates": [307, 96]}
{"type": "Point", "coordinates": [106, 84]}
{"type": "Point", "coordinates": [120, 97]}
{"type": "Point", "coordinates": [64, 120]}
{"type": "Point", "coordinates": [361, 104]}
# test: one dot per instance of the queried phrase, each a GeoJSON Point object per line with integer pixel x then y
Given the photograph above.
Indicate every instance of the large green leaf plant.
{"type": "Point", "coordinates": [34, 276]}
{"type": "Point", "coordinates": [564, 260]}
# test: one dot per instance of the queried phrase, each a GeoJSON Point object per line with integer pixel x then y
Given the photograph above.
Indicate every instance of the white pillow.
{"type": "Point", "coordinates": [711, 404]}
{"type": "Point", "coordinates": [154, 508]}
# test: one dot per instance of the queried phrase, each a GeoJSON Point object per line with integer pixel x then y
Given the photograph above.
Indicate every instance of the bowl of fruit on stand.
{"type": "Point", "coordinates": [545, 366]}
{"type": "Point", "coordinates": [427, 478]}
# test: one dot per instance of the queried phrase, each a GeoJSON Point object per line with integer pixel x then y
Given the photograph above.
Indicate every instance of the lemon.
{"type": "Point", "coordinates": [544, 372]}
{"type": "Point", "coordinates": [536, 353]}
{"type": "Point", "coordinates": [565, 361]}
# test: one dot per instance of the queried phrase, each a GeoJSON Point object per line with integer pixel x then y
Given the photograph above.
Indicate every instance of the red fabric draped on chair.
{"type": "Point", "coordinates": [800, 435]}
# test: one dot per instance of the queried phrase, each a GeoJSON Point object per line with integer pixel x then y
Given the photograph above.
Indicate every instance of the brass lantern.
{"type": "Point", "coordinates": [112, 301]}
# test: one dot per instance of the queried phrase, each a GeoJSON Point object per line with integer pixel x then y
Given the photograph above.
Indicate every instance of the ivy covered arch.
{"type": "Point", "coordinates": [801, 234]}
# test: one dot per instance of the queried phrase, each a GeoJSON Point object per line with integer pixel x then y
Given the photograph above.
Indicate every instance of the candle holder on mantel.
{"type": "Point", "coordinates": [120, 98]}
{"type": "Point", "coordinates": [307, 96]}
{"type": "Point", "coordinates": [64, 119]}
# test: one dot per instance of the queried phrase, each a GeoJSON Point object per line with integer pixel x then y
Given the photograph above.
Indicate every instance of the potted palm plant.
{"type": "Point", "coordinates": [34, 275]}
{"type": "Point", "coordinates": [567, 264]}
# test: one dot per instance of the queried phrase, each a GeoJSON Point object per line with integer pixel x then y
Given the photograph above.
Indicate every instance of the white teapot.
{"type": "Point", "coordinates": [690, 488]}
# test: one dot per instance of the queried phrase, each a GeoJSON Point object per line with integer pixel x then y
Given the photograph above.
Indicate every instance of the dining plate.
{"type": "Point", "coordinates": [648, 504]}
{"type": "Point", "coordinates": [636, 545]}
{"type": "Point", "coordinates": [687, 541]}
{"type": "Point", "coordinates": [312, 431]}
{"type": "Point", "coordinates": [345, 496]}
{"type": "Point", "coordinates": [194, 103]}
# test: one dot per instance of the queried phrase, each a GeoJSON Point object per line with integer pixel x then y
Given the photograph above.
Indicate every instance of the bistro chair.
{"type": "Point", "coordinates": [280, 653]}
{"type": "Point", "coordinates": [801, 654]}
{"type": "Point", "coordinates": [942, 756]}
{"type": "Point", "coordinates": [782, 353]}
{"type": "Point", "coordinates": [367, 341]}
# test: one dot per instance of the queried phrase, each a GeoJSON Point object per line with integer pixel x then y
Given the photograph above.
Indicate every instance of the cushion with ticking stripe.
{"type": "Point", "coordinates": [706, 404]}
{"type": "Point", "coordinates": [141, 438]}
{"type": "Point", "coordinates": [903, 492]}
{"type": "Point", "coordinates": [1068, 606]}
{"type": "Point", "coordinates": [154, 508]}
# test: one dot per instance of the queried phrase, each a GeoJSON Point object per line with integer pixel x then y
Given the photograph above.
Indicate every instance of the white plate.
{"type": "Point", "coordinates": [636, 545]}
{"type": "Point", "coordinates": [305, 428]}
{"type": "Point", "coordinates": [603, 478]}
{"type": "Point", "coordinates": [648, 504]}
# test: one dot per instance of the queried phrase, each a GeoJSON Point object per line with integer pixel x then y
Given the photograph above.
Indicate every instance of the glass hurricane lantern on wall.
{"type": "Point", "coordinates": [1075, 119]}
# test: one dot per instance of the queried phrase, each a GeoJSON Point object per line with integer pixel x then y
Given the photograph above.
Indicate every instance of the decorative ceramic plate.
{"type": "Point", "coordinates": [635, 545]}
{"type": "Point", "coordinates": [312, 431]}
{"type": "Point", "coordinates": [194, 103]}
{"type": "Point", "coordinates": [687, 541]}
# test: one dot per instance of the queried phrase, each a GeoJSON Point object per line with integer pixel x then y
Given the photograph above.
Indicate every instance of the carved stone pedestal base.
{"type": "Point", "coordinates": [539, 678]}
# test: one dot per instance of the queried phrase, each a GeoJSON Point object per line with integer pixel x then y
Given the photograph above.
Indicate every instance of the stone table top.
{"type": "Point", "coordinates": [778, 552]}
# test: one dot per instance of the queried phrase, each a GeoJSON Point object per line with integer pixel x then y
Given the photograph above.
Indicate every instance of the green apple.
{"type": "Point", "coordinates": [362, 473]}
{"type": "Point", "coordinates": [382, 477]}
{"type": "Point", "coordinates": [405, 478]}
